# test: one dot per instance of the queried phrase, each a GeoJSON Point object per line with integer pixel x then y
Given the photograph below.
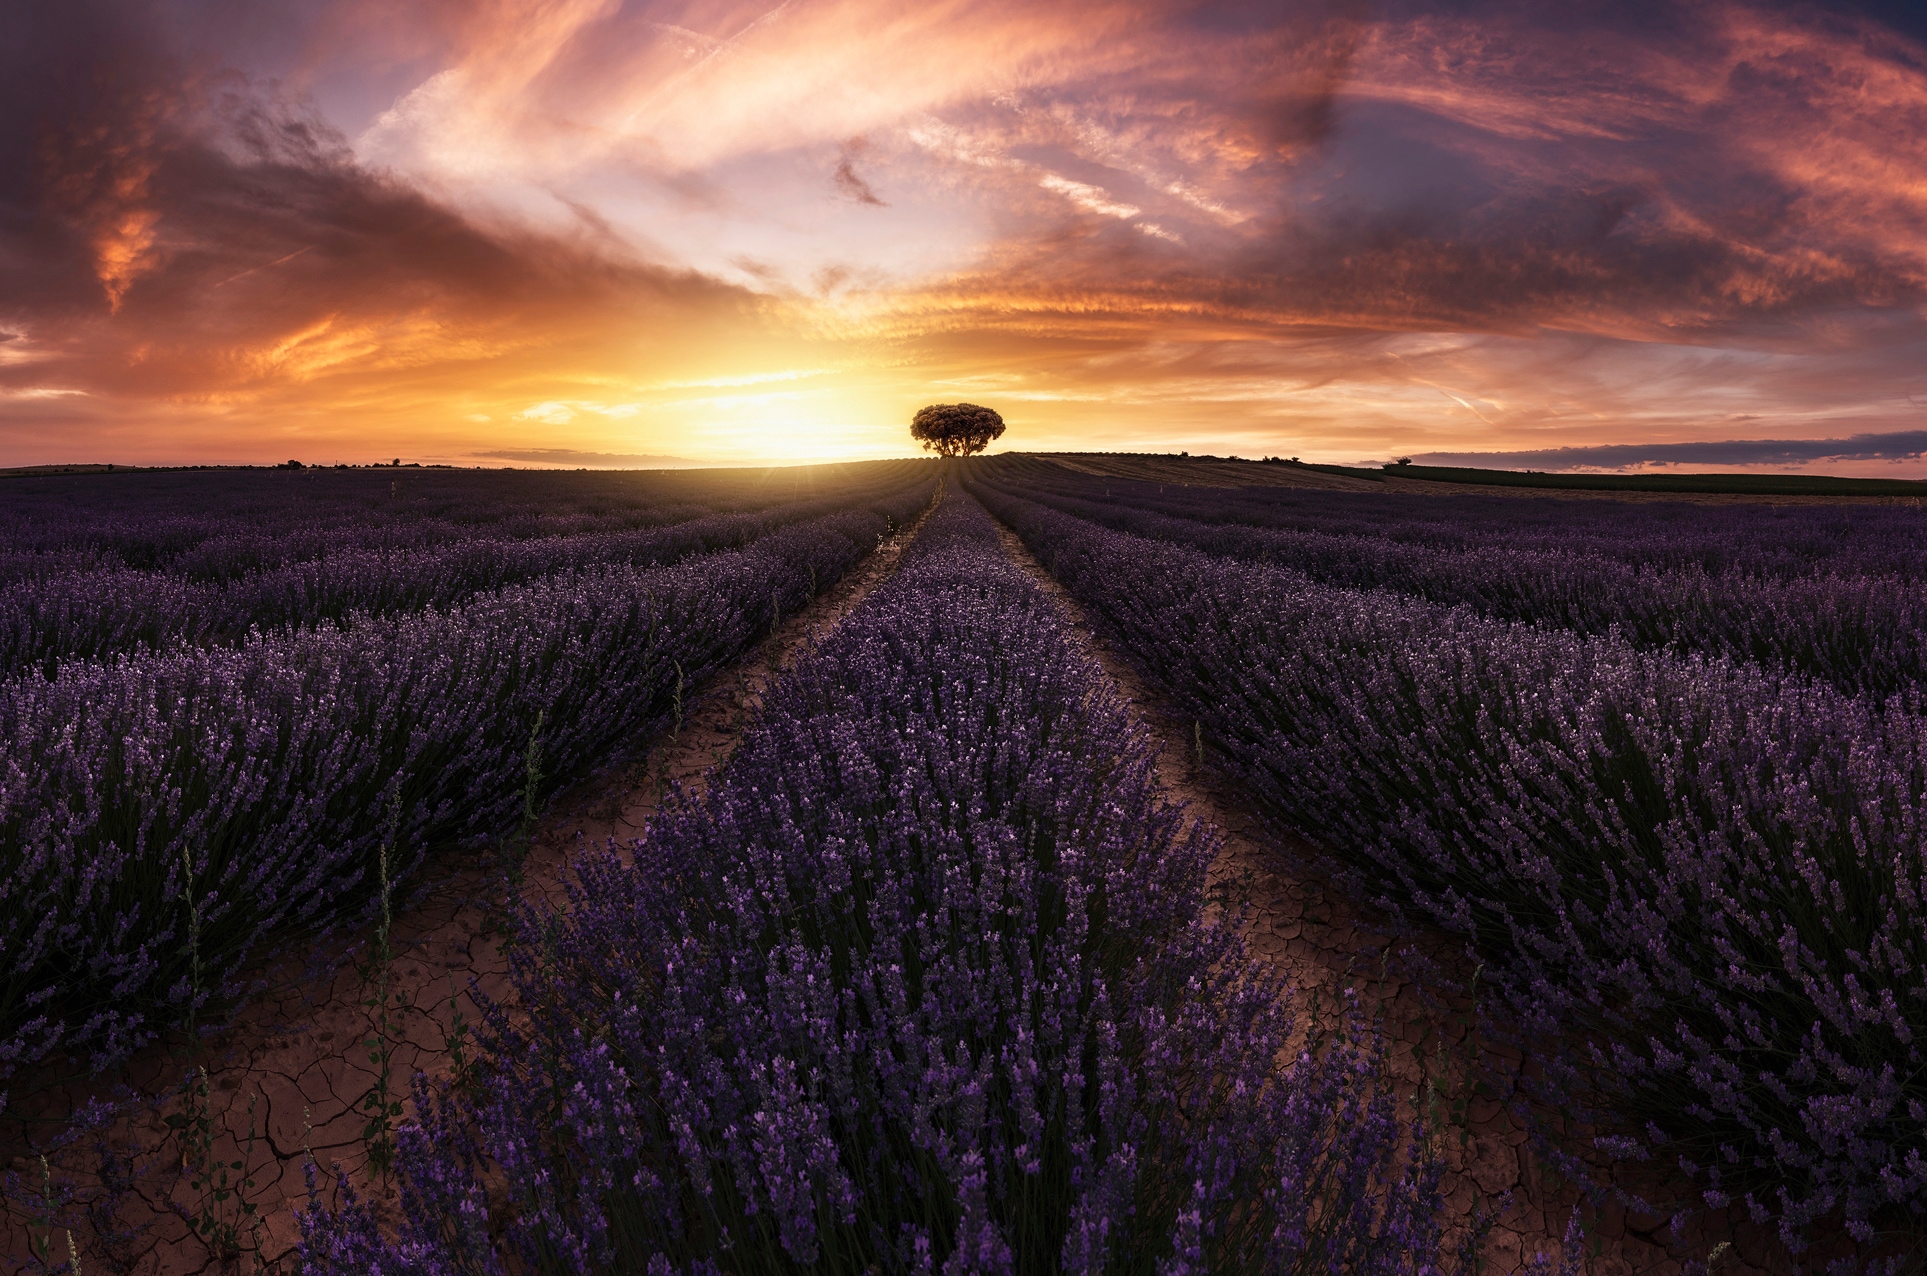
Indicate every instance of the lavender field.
{"type": "Point", "coordinates": [227, 692]}
{"type": "Point", "coordinates": [923, 981]}
{"type": "Point", "coordinates": [932, 970]}
{"type": "Point", "coordinates": [1663, 768]}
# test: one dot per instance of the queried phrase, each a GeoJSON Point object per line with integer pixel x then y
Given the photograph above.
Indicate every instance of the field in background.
{"type": "Point", "coordinates": [1209, 471]}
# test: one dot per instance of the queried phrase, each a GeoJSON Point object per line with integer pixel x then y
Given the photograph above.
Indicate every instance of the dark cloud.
{"type": "Point", "coordinates": [168, 228]}
{"type": "Point", "coordinates": [849, 181]}
{"type": "Point", "coordinates": [1906, 17]}
{"type": "Point", "coordinates": [1899, 446]}
{"type": "Point", "coordinates": [1676, 172]}
{"type": "Point", "coordinates": [79, 102]}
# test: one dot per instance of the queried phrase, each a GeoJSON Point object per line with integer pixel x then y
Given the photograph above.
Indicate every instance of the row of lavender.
{"type": "Point", "coordinates": [222, 525]}
{"type": "Point", "coordinates": [1700, 884]}
{"type": "Point", "coordinates": [923, 982]}
{"type": "Point", "coordinates": [1776, 540]}
{"type": "Point", "coordinates": [82, 615]}
{"type": "Point", "coordinates": [163, 816]}
{"type": "Point", "coordinates": [1860, 633]}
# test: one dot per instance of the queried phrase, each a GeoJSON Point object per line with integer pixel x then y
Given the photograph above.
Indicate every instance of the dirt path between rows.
{"type": "Point", "coordinates": [1310, 932]}
{"type": "Point", "coordinates": [295, 1068]}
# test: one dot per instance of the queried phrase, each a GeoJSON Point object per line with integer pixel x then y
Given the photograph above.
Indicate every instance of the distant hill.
{"type": "Point", "coordinates": [572, 459]}
{"type": "Point", "coordinates": [1273, 471]}
{"type": "Point", "coordinates": [24, 471]}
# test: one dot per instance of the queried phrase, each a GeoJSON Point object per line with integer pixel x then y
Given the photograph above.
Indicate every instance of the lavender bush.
{"type": "Point", "coordinates": [1700, 882]}
{"type": "Point", "coordinates": [923, 982]}
{"type": "Point", "coordinates": [1746, 538]}
{"type": "Point", "coordinates": [223, 525]}
{"type": "Point", "coordinates": [200, 598]}
{"type": "Point", "coordinates": [1859, 632]}
{"type": "Point", "coordinates": [245, 789]}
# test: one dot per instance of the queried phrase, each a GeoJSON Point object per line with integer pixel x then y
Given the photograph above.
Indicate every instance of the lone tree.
{"type": "Point", "coordinates": [955, 429]}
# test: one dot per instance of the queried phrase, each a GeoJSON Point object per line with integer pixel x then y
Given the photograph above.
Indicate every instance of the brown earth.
{"type": "Point", "coordinates": [294, 1067]}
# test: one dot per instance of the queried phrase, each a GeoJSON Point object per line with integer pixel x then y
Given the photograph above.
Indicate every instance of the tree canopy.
{"type": "Point", "coordinates": [955, 429]}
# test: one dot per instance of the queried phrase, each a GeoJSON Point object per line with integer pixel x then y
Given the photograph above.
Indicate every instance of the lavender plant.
{"type": "Point", "coordinates": [218, 1210]}
{"type": "Point", "coordinates": [261, 764]}
{"type": "Point", "coordinates": [1847, 617]}
{"type": "Point", "coordinates": [1780, 541]}
{"type": "Point", "coordinates": [90, 1173]}
{"type": "Point", "coordinates": [386, 1008]}
{"type": "Point", "coordinates": [217, 597]}
{"type": "Point", "coordinates": [1698, 883]}
{"type": "Point", "coordinates": [226, 525]}
{"type": "Point", "coordinates": [923, 981]}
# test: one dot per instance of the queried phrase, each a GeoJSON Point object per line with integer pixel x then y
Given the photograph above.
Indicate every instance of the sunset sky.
{"type": "Point", "coordinates": [592, 231]}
